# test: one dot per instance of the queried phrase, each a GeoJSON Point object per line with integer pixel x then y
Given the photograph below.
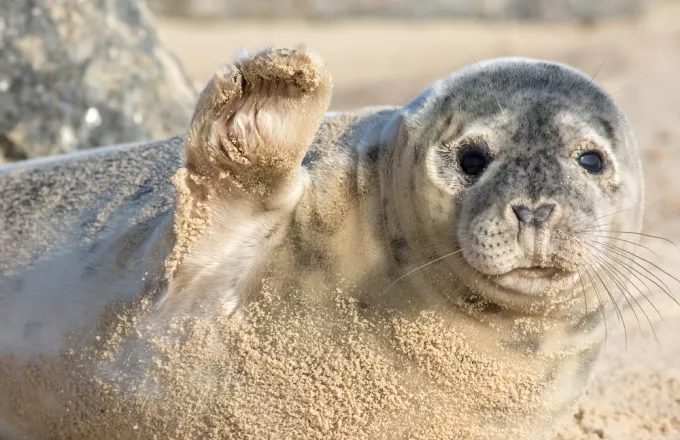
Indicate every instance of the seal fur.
{"type": "Point", "coordinates": [379, 235]}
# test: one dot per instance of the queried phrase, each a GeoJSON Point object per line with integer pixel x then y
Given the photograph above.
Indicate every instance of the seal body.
{"type": "Point", "coordinates": [439, 270]}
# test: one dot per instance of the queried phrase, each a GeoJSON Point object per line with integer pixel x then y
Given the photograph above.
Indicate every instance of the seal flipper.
{"type": "Point", "coordinates": [252, 127]}
{"type": "Point", "coordinates": [256, 119]}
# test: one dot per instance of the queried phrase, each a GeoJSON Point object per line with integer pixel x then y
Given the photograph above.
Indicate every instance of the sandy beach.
{"type": "Point", "coordinates": [636, 394]}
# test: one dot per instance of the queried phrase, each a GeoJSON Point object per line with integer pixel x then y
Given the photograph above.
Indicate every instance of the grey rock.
{"type": "Point", "coordinates": [585, 10]}
{"type": "Point", "coordinates": [76, 74]}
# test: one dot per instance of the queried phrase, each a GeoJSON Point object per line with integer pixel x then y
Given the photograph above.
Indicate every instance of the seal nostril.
{"type": "Point", "coordinates": [543, 212]}
{"type": "Point", "coordinates": [524, 214]}
{"type": "Point", "coordinates": [538, 216]}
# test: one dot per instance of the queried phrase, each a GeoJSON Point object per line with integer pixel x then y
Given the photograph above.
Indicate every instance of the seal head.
{"type": "Point", "coordinates": [522, 170]}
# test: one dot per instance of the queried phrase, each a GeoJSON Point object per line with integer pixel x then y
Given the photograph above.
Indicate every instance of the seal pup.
{"type": "Point", "coordinates": [438, 270]}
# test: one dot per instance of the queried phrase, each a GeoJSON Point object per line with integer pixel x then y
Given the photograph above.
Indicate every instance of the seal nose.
{"type": "Point", "coordinates": [537, 216]}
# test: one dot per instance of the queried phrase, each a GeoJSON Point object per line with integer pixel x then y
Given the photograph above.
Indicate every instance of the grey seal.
{"type": "Point", "coordinates": [437, 270]}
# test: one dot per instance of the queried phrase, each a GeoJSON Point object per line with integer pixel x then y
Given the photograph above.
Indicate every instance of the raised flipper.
{"type": "Point", "coordinates": [252, 127]}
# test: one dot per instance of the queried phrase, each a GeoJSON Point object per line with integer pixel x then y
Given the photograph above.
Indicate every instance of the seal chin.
{"type": "Point", "coordinates": [521, 286]}
{"type": "Point", "coordinates": [535, 281]}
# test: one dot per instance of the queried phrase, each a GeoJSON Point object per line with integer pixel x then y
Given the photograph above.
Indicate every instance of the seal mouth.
{"type": "Point", "coordinates": [528, 287]}
{"type": "Point", "coordinates": [536, 272]}
{"type": "Point", "coordinates": [534, 280]}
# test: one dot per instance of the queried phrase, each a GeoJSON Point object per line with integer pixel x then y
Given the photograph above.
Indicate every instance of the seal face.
{"type": "Point", "coordinates": [525, 158]}
{"type": "Point", "coordinates": [415, 272]}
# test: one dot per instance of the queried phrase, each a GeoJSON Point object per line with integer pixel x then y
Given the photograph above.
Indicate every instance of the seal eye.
{"type": "Point", "coordinates": [591, 161]}
{"type": "Point", "coordinates": [473, 162]}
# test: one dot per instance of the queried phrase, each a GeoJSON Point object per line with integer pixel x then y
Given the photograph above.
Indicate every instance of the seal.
{"type": "Point", "coordinates": [438, 270]}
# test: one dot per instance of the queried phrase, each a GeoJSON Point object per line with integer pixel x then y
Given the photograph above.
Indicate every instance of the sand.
{"type": "Point", "coordinates": [190, 220]}
{"type": "Point", "coordinates": [289, 367]}
{"type": "Point", "coordinates": [636, 394]}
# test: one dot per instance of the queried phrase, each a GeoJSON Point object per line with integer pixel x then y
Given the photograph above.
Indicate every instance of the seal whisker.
{"type": "Point", "coordinates": [629, 242]}
{"type": "Point", "coordinates": [579, 223]}
{"type": "Point", "coordinates": [609, 268]}
{"type": "Point", "coordinates": [634, 298]}
{"type": "Point", "coordinates": [599, 68]}
{"type": "Point", "coordinates": [381, 274]}
{"type": "Point", "coordinates": [599, 299]}
{"type": "Point", "coordinates": [619, 314]}
{"type": "Point", "coordinates": [419, 268]}
{"type": "Point", "coordinates": [585, 296]}
{"type": "Point", "coordinates": [632, 282]}
{"type": "Point", "coordinates": [582, 217]}
{"type": "Point", "coordinates": [632, 256]}
{"type": "Point", "coordinates": [651, 276]}
{"type": "Point", "coordinates": [593, 226]}
{"type": "Point", "coordinates": [623, 89]}
{"type": "Point", "coordinates": [611, 214]}
{"type": "Point", "coordinates": [644, 235]}
{"type": "Point", "coordinates": [621, 287]}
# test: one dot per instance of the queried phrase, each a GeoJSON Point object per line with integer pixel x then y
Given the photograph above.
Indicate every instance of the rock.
{"type": "Point", "coordinates": [586, 10]}
{"type": "Point", "coordinates": [76, 74]}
